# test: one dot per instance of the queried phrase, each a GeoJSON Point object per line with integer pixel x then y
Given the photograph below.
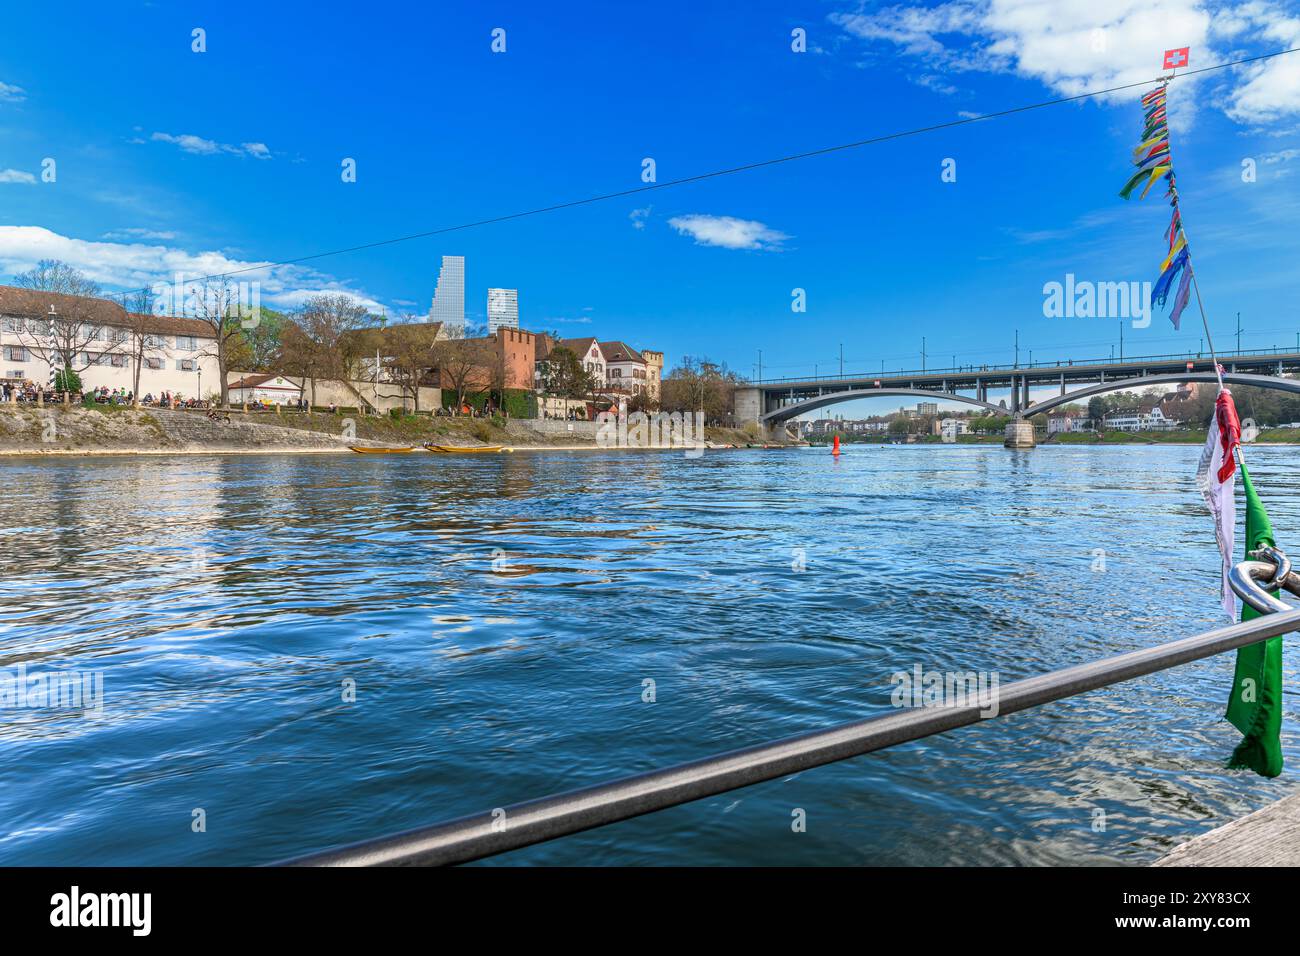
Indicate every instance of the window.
{"type": "Point", "coordinates": [119, 361]}
{"type": "Point", "coordinates": [93, 333]}
{"type": "Point", "coordinates": [16, 353]}
{"type": "Point", "coordinates": [103, 358]}
{"type": "Point", "coordinates": [185, 365]}
{"type": "Point", "coordinates": [154, 363]}
{"type": "Point", "coordinates": [117, 336]}
{"type": "Point", "coordinates": [154, 342]}
{"type": "Point", "coordinates": [13, 323]}
{"type": "Point", "coordinates": [186, 343]}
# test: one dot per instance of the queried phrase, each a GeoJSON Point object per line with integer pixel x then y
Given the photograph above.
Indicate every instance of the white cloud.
{"type": "Point", "coordinates": [11, 94]}
{"type": "Point", "coordinates": [1281, 156]}
{"type": "Point", "coordinates": [1073, 47]}
{"type": "Point", "coordinates": [207, 147]}
{"type": "Point", "coordinates": [133, 265]}
{"type": "Point", "coordinates": [16, 176]}
{"type": "Point", "coordinates": [932, 82]}
{"type": "Point", "coordinates": [639, 216]}
{"type": "Point", "coordinates": [138, 233]}
{"type": "Point", "coordinates": [727, 232]}
{"type": "Point", "coordinates": [1270, 90]}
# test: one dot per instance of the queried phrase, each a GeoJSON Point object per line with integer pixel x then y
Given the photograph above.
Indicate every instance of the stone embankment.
{"type": "Point", "coordinates": [76, 430]}
{"type": "Point", "coordinates": [101, 430]}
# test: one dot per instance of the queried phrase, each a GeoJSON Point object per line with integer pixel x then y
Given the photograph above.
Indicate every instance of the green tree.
{"type": "Point", "coordinates": [563, 375]}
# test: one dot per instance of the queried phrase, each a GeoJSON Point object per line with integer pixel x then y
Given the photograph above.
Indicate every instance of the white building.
{"type": "Point", "coordinates": [950, 428]}
{"type": "Point", "coordinates": [448, 305]}
{"type": "Point", "coordinates": [1136, 420]}
{"type": "Point", "coordinates": [1066, 422]}
{"type": "Point", "coordinates": [502, 309]}
{"type": "Point", "coordinates": [177, 355]}
{"type": "Point", "coordinates": [265, 390]}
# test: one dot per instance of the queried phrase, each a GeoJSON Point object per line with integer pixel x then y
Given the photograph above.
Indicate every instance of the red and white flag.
{"type": "Point", "coordinates": [1174, 59]}
{"type": "Point", "coordinates": [1215, 476]}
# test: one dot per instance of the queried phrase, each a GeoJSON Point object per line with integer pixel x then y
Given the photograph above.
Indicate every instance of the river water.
{"type": "Point", "coordinates": [500, 617]}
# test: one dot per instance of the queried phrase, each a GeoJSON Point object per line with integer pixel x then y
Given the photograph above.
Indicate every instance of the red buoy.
{"type": "Point", "coordinates": [836, 449]}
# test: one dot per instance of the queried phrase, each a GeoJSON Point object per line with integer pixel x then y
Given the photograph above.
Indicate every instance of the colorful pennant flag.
{"type": "Point", "coordinates": [1154, 162]}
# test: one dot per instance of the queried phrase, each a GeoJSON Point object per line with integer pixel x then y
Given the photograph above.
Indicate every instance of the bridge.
{"type": "Point", "coordinates": [772, 402]}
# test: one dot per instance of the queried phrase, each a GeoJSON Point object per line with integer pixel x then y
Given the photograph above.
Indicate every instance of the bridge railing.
{"type": "Point", "coordinates": [535, 821]}
{"type": "Point", "coordinates": [1052, 366]}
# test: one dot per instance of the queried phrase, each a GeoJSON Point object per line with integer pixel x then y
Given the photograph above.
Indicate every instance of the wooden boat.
{"type": "Point", "coordinates": [362, 450]}
{"type": "Point", "coordinates": [465, 449]}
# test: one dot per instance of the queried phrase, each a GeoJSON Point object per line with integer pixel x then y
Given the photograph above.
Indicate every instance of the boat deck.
{"type": "Point", "coordinates": [1267, 837]}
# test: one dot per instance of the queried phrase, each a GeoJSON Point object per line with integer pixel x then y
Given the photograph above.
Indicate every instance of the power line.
{"type": "Point", "coordinates": [748, 167]}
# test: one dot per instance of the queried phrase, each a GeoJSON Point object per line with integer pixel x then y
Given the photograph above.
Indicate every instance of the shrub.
{"type": "Point", "coordinates": [66, 380]}
{"type": "Point", "coordinates": [482, 431]}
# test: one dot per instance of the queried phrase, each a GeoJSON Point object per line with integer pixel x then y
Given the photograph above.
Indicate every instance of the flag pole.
{"type": "Point", "coordinates": [1196, 286]}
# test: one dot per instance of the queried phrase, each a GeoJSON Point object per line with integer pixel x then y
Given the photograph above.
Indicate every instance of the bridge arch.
{"type": "Point", "coordinates": [1142, 381]}
{"type": "Point", "coordinates": [786, 412]}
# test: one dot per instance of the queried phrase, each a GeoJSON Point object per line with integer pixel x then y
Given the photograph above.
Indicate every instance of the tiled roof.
{"type": "Point", "coordinates": [620, 352]}
{"type": "Point", "coordinates": [173, 325]}
{"type": "Point", "coordinates": [252, 381]}
{"type": "Point", "coordinates": [34, 303]}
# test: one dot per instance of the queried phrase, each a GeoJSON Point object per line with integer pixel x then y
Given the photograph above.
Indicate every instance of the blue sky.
{"type": "Point", "coordinates": [170, 159]}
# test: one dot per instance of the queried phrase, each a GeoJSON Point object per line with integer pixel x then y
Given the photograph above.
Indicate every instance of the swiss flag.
{"type": "Point", "coordinates": [1176, 58]}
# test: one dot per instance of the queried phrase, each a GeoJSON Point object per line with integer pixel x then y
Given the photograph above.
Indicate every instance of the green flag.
{"type": "Point", "coordinates": [1255, 707]}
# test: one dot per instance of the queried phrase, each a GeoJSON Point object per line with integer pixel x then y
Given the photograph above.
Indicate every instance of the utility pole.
{"type": "Point", "coordinates": [760, 365]}
{"type": "Point", "coordinates": [923, 353]}
{"type": "Point", "coordinates": [1121, 340]}
{"type": "Point", "coordinates": [841, 360]}
{"type": "Point", "coordinates": [1017, 365]}
{"type": "Point", "coordinates": [1239, 332]}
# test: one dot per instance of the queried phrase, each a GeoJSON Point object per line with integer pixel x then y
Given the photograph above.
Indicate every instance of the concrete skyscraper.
{"type": "Point", "coordinates": [449, 296]}
{"type": "Point", "coordinates": [502, 309]}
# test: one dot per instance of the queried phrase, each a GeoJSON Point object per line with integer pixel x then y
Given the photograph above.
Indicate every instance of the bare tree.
{"type": "Point", "coordinates": [322, 341]}
{"type": "Point", "coordinates": [63, 337]}
{"type": "Point", "coordinates": [143, 341]}
{"type": "Point", "coordinates": [410, 355]}
{"type": "Point", "coordinates": [465, 366]}
{"type": "Point", "coordinates": [215, 302]}
{"type": "Point", "coordinates": [300, 356]}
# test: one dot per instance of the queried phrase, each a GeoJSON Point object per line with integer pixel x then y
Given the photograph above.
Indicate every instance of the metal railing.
{"type": "Point", "coordinates": [1062, 365]}
{"type": "Point", "coordinates": [535, 821]}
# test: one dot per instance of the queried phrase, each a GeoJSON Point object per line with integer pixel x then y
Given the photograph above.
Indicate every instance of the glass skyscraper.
{"type": "Point", "coordinates": [502, 309]}
{"type": "Point", "coordinates": [449, 296]}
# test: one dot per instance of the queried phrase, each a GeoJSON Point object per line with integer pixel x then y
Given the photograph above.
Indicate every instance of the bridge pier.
{"type": "Point", "coordinates": [750, 410]}
{"type": "Point", "coordinates": [1019, 434]}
